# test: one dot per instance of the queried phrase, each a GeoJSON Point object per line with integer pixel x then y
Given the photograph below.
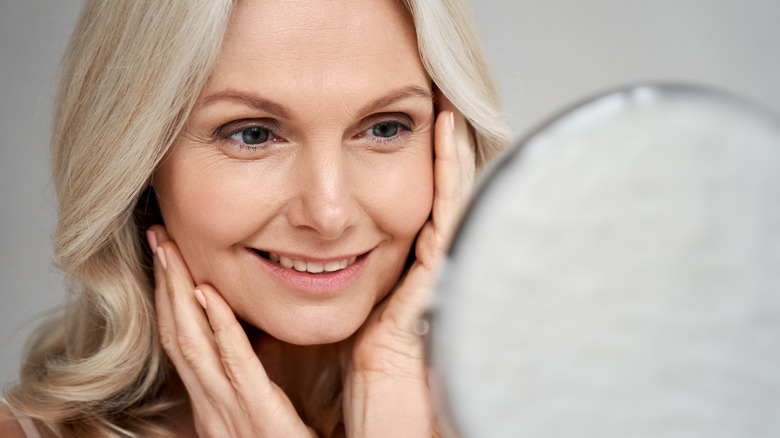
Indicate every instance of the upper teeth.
{"type": "Point", "coordinates": [311, 267]}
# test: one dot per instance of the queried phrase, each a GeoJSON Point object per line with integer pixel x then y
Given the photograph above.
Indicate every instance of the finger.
{"type": "Point", "coordinates": [463, 130]}
{"type": "Point", "coordinates": [237, 356]}
{"type": "Point", "coordinates": [459, 182]}
{"type": "Point", "coordinates": [166, 326]}
{"type": "Point", "coordinates": [194, 337]}
{"type": "Point", "coordinates": [160, 235]}
{"type": "Point", "coordinates": [256, 393]}
{"type": "Point", "coordinates": [184, 329]}
{"type": "Point", "coordinates": [179, 286]}
{"type": "Point", "coordinates": [465, 142]}
{"type": "Point", "coordinates": [448, 190]}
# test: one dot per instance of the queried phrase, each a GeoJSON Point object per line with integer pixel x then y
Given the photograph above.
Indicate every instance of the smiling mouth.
{"type": "Point", "coordinates": [304, 266]}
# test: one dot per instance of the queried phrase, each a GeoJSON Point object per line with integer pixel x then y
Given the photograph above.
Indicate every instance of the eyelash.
{"type": "Point", "coordinates": [233, 129]}
{"type": "Point", "coordinates": [402, 129]}
{"type": "Point", "coordinates": [228, 131]}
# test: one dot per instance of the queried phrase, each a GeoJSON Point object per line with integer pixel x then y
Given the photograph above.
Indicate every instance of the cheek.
{"type": "Point", "coordinates": [205, 206]}
{"type": "Point", "coordinates": [404, 196]}
{"type": "Point", "coordinates": [403, 205]}
{"type": "Point", "coordinates": [413, 200]}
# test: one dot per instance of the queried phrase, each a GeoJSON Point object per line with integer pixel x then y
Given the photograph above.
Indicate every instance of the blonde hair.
{"type": "Point", "coordinates": [132, 72]}
{"type": "Point", "coordinates": [451, 52]}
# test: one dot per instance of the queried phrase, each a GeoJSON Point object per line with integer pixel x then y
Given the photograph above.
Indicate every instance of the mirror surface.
{"type": "Point", "coordinates": [618, 275]}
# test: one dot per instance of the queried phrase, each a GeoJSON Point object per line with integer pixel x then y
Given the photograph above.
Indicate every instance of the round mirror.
{"type": "Point", "coordinates": [618, 275]}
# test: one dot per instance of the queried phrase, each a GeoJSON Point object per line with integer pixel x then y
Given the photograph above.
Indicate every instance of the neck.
{"type": "Point", "coordinates": [287, 364]}
{"type": "Point", "coordinates": [311, 375]}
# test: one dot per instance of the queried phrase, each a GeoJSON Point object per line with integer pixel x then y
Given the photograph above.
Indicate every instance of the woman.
{"type": "Point", "coordinates": [252, 212]}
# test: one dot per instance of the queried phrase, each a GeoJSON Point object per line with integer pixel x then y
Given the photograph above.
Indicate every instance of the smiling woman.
{"type": "Point", "coordinates": [310, 169]}
{"type": "Point", "coordinates": [255, 241]}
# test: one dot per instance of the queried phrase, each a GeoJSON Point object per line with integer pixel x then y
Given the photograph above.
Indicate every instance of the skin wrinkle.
{"type": "Point", "coordinates": [263, 105]}
{"type": "Point", "coordinates": [247, 99]}
{"type": "Point", "coordinates": [324, 189]}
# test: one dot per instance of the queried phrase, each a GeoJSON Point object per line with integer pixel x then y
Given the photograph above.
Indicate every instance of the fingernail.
{"type": "Point", "coordinates": [200, 297]}
{"type": "Point", "coordinates": [452, 121]}
{"type": "Point", "coordinates": [161, 255]}
{"type": "Point", "coordinates": [151, 236]}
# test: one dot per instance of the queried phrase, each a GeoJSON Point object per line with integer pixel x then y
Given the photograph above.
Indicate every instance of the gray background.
{"type": "Point", "coordinates": [546, 54]}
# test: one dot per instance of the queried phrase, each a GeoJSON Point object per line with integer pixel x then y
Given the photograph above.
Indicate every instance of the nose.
{"type": "Point", "coordinates": [325, 200]}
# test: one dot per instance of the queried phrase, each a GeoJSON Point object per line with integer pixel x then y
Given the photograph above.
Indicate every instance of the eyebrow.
{"type": "Point", "coordinates": [397, 95]}
{"type": "Point", "coordinates": [269, 106]}
{"type": "Point", "coordinates": [250, 100]}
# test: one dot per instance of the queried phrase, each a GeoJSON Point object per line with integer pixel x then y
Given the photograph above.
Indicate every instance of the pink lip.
{"type": "Point", "coordinates": [314, 284]}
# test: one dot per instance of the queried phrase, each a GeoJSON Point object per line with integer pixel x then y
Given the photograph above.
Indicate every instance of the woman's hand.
{"type": "Point", "coordinates": [386, 392]}
{"type": "Point", "coordinates": [230, 392]}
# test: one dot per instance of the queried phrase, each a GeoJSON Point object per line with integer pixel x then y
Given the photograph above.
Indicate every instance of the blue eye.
{"type": "Point", "coordinates": [385, 129]}
{"type": "Point", "coordinates": [253, 136]}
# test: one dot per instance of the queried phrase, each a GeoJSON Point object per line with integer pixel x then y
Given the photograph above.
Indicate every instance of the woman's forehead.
{"type": "Point", "coordinates": [299, 31]}
{"type": "Point", "coordinates": [289, 49]}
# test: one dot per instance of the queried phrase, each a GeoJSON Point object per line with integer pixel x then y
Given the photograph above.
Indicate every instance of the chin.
{"type": "Point", "coordinates": [314, 328]}
{"type": "Point", "coordinates": [312, 337]}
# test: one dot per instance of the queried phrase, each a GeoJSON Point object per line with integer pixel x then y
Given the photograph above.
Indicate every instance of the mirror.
{"type": "Point", "coordinates": [618, 275]}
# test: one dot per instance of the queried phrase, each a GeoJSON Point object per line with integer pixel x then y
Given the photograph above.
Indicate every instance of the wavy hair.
{"type": "Point", "coordinates": [131, 75]}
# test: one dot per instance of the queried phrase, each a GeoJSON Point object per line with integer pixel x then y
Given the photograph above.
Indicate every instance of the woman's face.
{"type": "Point", "coordinates": [310, 146]}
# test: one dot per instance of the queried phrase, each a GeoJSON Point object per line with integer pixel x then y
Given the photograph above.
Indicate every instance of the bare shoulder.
{"type": "Point", "coordinates": [9, 427]}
